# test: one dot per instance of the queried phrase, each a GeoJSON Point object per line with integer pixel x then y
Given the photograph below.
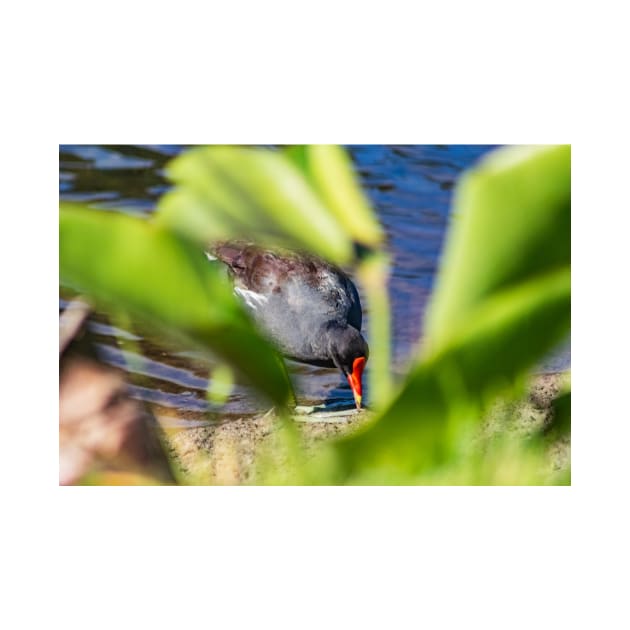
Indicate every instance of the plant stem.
{"type": "Point", "coordinates": [373, 272]}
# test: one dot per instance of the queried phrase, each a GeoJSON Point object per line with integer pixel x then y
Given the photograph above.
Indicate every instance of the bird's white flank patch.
{"type": "Point", "coordinates": [210, 256]}
{"type": "Point", "coordinates": [251, 298]}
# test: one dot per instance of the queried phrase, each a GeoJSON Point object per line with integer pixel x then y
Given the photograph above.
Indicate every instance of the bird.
{"type": "Point", "coordinates": [308, 308]}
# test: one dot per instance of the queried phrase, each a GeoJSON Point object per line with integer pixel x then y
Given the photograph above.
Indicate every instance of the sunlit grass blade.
{"type": "Point", "coordinates": [373, 272]}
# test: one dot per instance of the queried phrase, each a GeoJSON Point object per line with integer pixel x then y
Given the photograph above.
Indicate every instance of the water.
{"type": "Point", "coordinates": [410, 188]}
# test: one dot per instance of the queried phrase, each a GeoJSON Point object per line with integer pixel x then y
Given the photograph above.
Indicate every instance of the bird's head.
{"type": "Point", "coordinates": [350, 352]}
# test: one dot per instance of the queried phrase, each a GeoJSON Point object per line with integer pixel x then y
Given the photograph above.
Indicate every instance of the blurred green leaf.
{"type": "Point", "coordinates": [329, 169]}
{"type": "Point", "coordinates": [443, 396]}
{"type": "Point", "coordinates": [220, 385]}
{"type": "Point", "coordinates": [512, 221]}
{"type": "Point", "coordinates": [126, 262]}
{"type": "Point", "coordinates": [236, 192]}
{"type": "Point", "coordinates": [502, 300]}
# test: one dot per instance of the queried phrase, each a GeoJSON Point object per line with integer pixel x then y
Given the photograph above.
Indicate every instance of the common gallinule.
{"type": "Point", "coordinates": [309, 308]}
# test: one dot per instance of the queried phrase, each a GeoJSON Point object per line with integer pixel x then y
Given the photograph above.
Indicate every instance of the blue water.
{"type": "Point", "coordinates": [410, 187]}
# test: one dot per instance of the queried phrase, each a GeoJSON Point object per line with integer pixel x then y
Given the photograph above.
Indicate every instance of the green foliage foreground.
{"type": "Point", "coordinates": [502, 298]}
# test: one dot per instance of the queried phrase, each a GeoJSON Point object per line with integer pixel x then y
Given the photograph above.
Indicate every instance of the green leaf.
{"type": "Point", "coordinates": [258, 194]}
{"type": "Point", "coordinates": [329, 169]}
{"type": "Point", "coordinates": [131, 263]}
{"type": "Point", "coordinates": [502, 300]}
{"type": "Point", "coordinates": [512, 222]}
{"type": "Point", "coordinates": [430, 417]}
{"type": "Point", "coordinates": [220, 385]}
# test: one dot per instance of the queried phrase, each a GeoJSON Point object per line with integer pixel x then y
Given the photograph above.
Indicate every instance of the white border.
{"type": "Point", "coordinates": [447, 72]}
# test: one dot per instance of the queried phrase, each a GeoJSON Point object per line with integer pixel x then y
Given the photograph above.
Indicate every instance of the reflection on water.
{"type": "Point", "coordinates": [410, 187]}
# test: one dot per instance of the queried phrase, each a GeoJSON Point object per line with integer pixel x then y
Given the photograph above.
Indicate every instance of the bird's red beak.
{"type": "Point", "coordinates": [355, 380]}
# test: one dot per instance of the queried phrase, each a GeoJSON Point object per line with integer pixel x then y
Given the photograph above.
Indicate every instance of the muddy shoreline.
{"type": "Point", "coordinates": [224, 453]}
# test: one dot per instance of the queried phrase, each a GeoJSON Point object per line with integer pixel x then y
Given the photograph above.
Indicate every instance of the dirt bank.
{"type": "Point", "coordinates": [224, 453]}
